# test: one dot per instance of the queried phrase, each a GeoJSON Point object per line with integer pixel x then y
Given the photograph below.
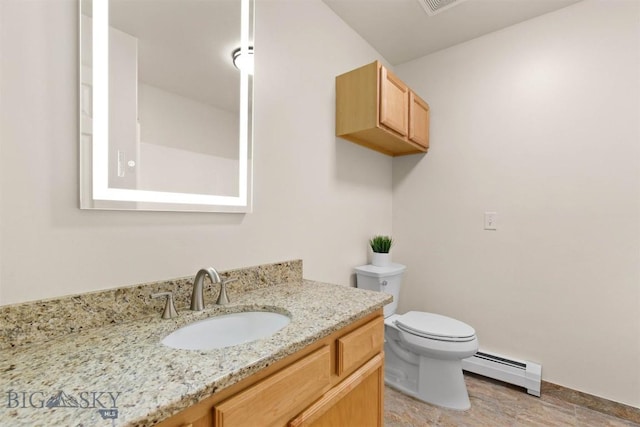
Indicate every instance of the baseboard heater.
{"type": "Point", "coordinates": [518, 372]}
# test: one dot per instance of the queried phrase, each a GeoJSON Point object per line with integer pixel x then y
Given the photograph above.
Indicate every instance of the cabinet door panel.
{"type": "Point", "coordinates": [418, 120]}
{"type": "Point", "coordinates": [356, 401]}
{"type": "Point", "coordinates": [276, 399]}
{"type": "Point", "coordinates": [394, 102]}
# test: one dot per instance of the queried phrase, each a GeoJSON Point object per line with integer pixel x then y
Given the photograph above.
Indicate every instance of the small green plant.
{"type": "Point", "coordinates": [381, 244]}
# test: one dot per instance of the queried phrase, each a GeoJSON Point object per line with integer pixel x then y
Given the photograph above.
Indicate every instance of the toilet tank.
{"type": "Point", "coordinates": [382, 279]}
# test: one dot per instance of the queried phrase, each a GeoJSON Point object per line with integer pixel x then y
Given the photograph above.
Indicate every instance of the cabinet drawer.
{"type": "Point", "coordinates": [358, 346]}
{"type": "Point", "coordinates": [279, 397]}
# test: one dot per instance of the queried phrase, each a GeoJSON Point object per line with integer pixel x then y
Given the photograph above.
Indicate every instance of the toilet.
{"type": "Point", "coordinates": [423, 351]}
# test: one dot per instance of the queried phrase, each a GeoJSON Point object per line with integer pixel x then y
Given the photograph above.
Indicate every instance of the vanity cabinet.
{"type": "Point", "coordinates": [376, 109]}
{"type": "Point", "coordinates": [336, 381]}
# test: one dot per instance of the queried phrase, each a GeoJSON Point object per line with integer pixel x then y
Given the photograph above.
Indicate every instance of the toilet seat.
{"type": "Point", "coordinates": [435, 327]}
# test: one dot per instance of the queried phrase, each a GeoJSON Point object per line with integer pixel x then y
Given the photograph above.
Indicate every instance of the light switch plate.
{"type": "Point", "coordinates": [490, 220]}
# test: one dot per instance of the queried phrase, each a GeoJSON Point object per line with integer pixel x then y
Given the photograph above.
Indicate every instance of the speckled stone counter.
{"type": "Point", "coordinates": [35, 321]}
{"type": "Point", "coordinates": [121, 375]}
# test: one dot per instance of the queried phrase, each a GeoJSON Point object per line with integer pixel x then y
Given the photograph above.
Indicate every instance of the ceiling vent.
{"type": "Point", "coordinates": [433, 7]}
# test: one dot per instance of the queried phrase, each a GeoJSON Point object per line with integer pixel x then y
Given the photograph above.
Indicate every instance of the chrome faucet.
{"type": "Point", "coordinates": [197, 296]}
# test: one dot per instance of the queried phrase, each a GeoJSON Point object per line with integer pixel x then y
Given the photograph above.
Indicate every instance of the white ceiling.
{"type": "Point", "coordinates": [187, 49]}
{"type": "Point", "coordinates": [185, 46]}
{"type": "Point", "coordinates": [401, 30]}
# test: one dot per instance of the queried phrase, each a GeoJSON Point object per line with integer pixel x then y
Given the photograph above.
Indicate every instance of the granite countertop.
{"type": "Point", "coordinates": [121, 375]}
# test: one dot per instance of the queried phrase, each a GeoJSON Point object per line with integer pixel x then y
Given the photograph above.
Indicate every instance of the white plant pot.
{"type": "Point", "coordinates": [380, 260]}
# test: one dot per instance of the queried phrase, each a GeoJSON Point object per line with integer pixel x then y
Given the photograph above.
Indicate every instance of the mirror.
{"type": "Point", "coordinates": [165, 117]}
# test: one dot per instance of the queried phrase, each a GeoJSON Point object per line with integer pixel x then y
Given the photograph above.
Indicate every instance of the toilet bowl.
{"type": "Point", "coordinates": [423, 351]}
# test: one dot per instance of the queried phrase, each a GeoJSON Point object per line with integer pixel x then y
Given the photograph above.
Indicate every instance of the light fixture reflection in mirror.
{"type": "Point", "coordinates": [95, 192]}
{"type": "Point", "coordinates": [243, 61]}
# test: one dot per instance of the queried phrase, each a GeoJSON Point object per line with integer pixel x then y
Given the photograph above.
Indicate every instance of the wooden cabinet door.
{"type": "Point", "coordinates": [355, 402]}
{"type": "Point", "coordinates": [418, 120]}
{"type": "Point", "coordinates": [394, 102]}
{"type": "Point", "coordinates": [273, 401]}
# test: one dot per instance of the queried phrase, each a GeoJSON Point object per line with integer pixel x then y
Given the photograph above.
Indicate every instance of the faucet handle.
{"type": "Point", "coordinates": [222, 296]}
{"type": "Point", "coordinates": [169, 308]}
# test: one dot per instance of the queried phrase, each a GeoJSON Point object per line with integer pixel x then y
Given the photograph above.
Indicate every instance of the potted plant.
{"type": "Point", "coordinates": [381, 245]}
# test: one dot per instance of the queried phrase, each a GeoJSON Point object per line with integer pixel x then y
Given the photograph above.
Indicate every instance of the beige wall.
{"type": "Point", "coordinates": [316, 197]}
{"type": "Point", "coordinates": [538, 122]}
{"type": "Point", "coordinates": [541, 123]}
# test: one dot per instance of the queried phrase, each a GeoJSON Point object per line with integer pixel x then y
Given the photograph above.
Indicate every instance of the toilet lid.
{"type": "Point", "coordinates": [435, 326]}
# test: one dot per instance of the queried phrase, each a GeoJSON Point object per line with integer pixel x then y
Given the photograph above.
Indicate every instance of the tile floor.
{"type": "Point", "coordinates": [495, 404]}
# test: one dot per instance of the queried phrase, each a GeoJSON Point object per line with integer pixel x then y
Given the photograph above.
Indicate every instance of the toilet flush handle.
{"type": "Point", "coordinates": [384, 283]}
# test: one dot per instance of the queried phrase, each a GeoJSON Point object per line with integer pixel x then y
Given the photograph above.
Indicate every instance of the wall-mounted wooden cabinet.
{"type": "Point", "coordinates": [376, 109]}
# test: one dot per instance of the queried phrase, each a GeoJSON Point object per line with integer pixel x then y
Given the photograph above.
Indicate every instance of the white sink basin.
{"type": "Point", "coordinates": [226, 330]}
